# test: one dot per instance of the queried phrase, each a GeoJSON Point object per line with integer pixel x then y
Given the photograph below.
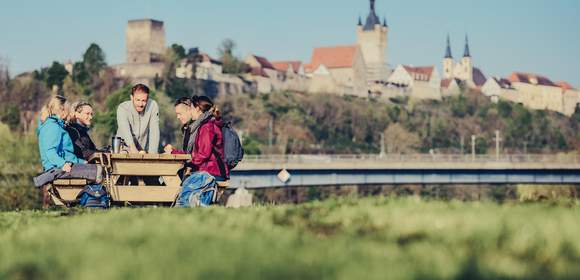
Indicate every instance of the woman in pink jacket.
{"type": "Point", "coordinates": [202, 136]}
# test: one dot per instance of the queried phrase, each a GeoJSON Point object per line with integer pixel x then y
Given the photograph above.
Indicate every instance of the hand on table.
{"type": "Point", "coordinates": [67, 167]}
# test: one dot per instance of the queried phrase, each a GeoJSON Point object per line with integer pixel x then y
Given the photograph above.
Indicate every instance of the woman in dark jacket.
{"type": "Point", "coordinates": [78, 129]}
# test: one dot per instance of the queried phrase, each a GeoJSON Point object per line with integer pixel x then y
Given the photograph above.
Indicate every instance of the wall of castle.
{"type": "Point", "coordinates": [145, 41]}
{"type": "Point", "coordinates": [539, 97]}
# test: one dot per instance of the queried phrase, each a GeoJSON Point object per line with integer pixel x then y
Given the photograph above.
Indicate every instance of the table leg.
{"type": "Point", "coordinates": [172, 181]}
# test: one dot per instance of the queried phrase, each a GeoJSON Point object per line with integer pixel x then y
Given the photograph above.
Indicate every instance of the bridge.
{"type": "Point", "coordinates": [265, 171]}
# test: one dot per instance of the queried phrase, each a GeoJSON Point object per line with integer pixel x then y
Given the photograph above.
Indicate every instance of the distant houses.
{"type": "Point", "coordinates": [360, 69]}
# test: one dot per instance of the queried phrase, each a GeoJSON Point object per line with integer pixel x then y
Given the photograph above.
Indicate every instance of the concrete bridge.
{"type": "Point", "coordinates": [330, 170]}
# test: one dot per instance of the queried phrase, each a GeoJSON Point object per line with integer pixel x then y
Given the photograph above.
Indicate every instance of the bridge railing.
{"type": "Point", "coordinates": [443, 158]}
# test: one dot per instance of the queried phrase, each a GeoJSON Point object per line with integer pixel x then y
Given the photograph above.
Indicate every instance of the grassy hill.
{"type": "Point", "coordinates": [375, 238]}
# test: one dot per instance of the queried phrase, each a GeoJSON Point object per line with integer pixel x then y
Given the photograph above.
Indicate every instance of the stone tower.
{"type": "Point", "coordinates": [372, 38]}
{"type": "Point", "coordinates": [448, 63]}
{"type": "Point", "coordinates": [145, 41]}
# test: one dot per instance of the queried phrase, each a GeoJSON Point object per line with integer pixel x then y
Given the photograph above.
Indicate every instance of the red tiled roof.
{"type": "Point", "coordinates": [422, 73]}
{"type": "Point", "coordinates": [309, 68]}
{"type": "Point", "coordinates": [529, 78]}
{"type": "Point", "coordinates": [264, 62]}
{"type": "Point", "coordinates": [445, 83]}
{"type": "Point", "coordinates": [333, 57]}
{"type": "Point", "coordinates": [564, 85]}
{"type": "Point", "coordinates": [284, 65]}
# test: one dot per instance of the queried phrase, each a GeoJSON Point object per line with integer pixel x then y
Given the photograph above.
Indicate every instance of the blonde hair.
{"type": "Point", "coordinates": [54, 106]}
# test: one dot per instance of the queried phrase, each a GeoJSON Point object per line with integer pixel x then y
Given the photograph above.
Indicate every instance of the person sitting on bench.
{"type": "Point", "coordinates": [78, 125]}
{"type": "Point", "coordinates": [57, 150]}
{"type": "Point", "coordinates": [202, 125]}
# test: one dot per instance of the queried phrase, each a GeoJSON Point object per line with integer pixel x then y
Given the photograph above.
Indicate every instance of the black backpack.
{"type": "Point", "coordinates": [233, 150]}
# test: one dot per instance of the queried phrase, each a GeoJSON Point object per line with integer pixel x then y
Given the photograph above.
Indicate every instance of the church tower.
{"type": "Point", "coordinates": [466, 63]}
{"type": "Point", "coordinates": [372, 38]}
{"type": "Point", "coordinates": [448, 63]}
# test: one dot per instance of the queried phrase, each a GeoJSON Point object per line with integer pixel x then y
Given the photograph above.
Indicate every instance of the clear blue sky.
{"type": "Point", "coordinates": [541, 36]}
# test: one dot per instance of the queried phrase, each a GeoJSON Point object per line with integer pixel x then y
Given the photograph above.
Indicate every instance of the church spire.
{"type": "Point", "coordinates": [359, 21]}
{"type": "Point", "coordinates": [372, 18]}
{"type": "Point", "coordinates": [385, 22]}
{"type": "Point", "coordinates": [466, 52]}
{"type": "Point", "coordinates": [448, 50]}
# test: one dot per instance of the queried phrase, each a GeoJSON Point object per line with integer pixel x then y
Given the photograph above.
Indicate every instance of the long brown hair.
{"type": "Point", "coordinates": [205, 104]}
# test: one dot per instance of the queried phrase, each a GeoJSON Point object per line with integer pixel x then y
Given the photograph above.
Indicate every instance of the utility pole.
{"type": "Point", "coordinates": [497, 141]}
{"type": "Point", "coordinates": [461, 142]}
{"type": "Point", "coordinates": [270, 134]}
{"type": "Point", "coordinates": [473, 147]}
{"type": "Point", "coordinates": [382, 145]}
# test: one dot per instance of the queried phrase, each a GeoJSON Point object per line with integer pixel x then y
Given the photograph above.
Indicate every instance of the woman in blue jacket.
{"type": "Point", "coordinates": [56, 147]}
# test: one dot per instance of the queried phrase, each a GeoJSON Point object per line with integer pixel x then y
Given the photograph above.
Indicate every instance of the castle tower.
{"type": "Point", "coordinates": [372, 38]}
{"type": "Point", "coordinates": [145, 41]}
{"type": "Point", "coordinates": [448, 62]}
{"type": "Point", "coordinates": [466, 63]}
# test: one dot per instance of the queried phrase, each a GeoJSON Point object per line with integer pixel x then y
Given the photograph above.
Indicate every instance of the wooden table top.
{"type": "Point", "coordinates": [152, 157]}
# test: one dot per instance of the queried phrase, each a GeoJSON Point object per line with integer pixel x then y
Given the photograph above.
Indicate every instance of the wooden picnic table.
{"type": "Point", "coordinates": [122, 166]}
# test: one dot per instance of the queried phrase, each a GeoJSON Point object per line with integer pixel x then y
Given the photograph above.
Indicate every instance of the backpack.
{"type": "Point", "coordinates": [199, 190]}
{"type": "Point", "coordinates": [233, 150]}
{"type": "Point", "coordinates": [94, 196]}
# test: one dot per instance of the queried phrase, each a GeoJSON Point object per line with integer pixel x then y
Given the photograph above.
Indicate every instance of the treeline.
{"type": "Point", "coordinates": [290, 123]}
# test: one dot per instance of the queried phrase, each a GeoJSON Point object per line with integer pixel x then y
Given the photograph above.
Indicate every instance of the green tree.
{"type": "Point", "coordinates": [10, 115]}
{"type": "Point", "coordinates": [80, 74]}
{"type": "Point", "coordinates": [56, 75]}
{"type": "Point", "coordinates": [231, 63]}
{"type": "Point", "coordinates": [94, 59]}
{"type": "Point", "coordinates": [179, 51]}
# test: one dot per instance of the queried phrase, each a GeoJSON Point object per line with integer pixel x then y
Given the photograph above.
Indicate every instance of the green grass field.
{"type": "Point", "coordinates": [370, 238]}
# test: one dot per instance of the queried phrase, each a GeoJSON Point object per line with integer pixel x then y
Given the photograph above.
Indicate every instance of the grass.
{"type": "Point", "coordinates": [371, 238]}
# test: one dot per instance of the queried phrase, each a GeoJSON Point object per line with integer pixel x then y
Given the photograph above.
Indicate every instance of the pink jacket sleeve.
{"type": "Point", "coordinates": [204, 144]}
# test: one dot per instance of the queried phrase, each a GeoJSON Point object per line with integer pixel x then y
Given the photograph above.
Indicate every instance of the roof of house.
{"type": "Point", "coordinates": [564, 85]}
{"type": "Point", "coordinates": [479, 78]}
{"type": "Point", "coordinates": [206, 58]}
{"type": "Point", "coordinates": [421, 73]}
{"type": "Point", "coordinates": [445, 83]}
{"type": "Point", "coordinates": [503, 83]}
{"type": "Point", "coordinates": [284, 65]}
{"type": "Point", "coordinates": [333, 57]}
{"type": "Point", "coordinates": [264, 62]}
{"type": "Point", "coordinates": [529, 78]}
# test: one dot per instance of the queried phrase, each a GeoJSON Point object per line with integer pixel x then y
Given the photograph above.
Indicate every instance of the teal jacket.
{"type": "Point", "coordinates": [56, 146]}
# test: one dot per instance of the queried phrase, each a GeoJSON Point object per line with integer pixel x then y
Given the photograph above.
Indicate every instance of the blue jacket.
{"type": "Point", "coordinates": [56, 147]}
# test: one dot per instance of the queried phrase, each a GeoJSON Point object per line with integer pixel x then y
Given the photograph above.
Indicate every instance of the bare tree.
{"type": "Point", "coordinates": [399, 140]}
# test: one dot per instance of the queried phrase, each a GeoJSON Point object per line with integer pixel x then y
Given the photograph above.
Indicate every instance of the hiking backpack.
{"type": "Point", "coordinates": [94, 196]}
{"type": "Point", "coordinates": [233, 150]}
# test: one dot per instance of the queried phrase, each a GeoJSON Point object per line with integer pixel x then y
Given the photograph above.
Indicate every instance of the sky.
{"type": "Point", "coordinates": [537, 36]}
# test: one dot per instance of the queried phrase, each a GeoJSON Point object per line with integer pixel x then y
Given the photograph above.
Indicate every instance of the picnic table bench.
{"type": "Point", "coordinates": [158, 168]}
